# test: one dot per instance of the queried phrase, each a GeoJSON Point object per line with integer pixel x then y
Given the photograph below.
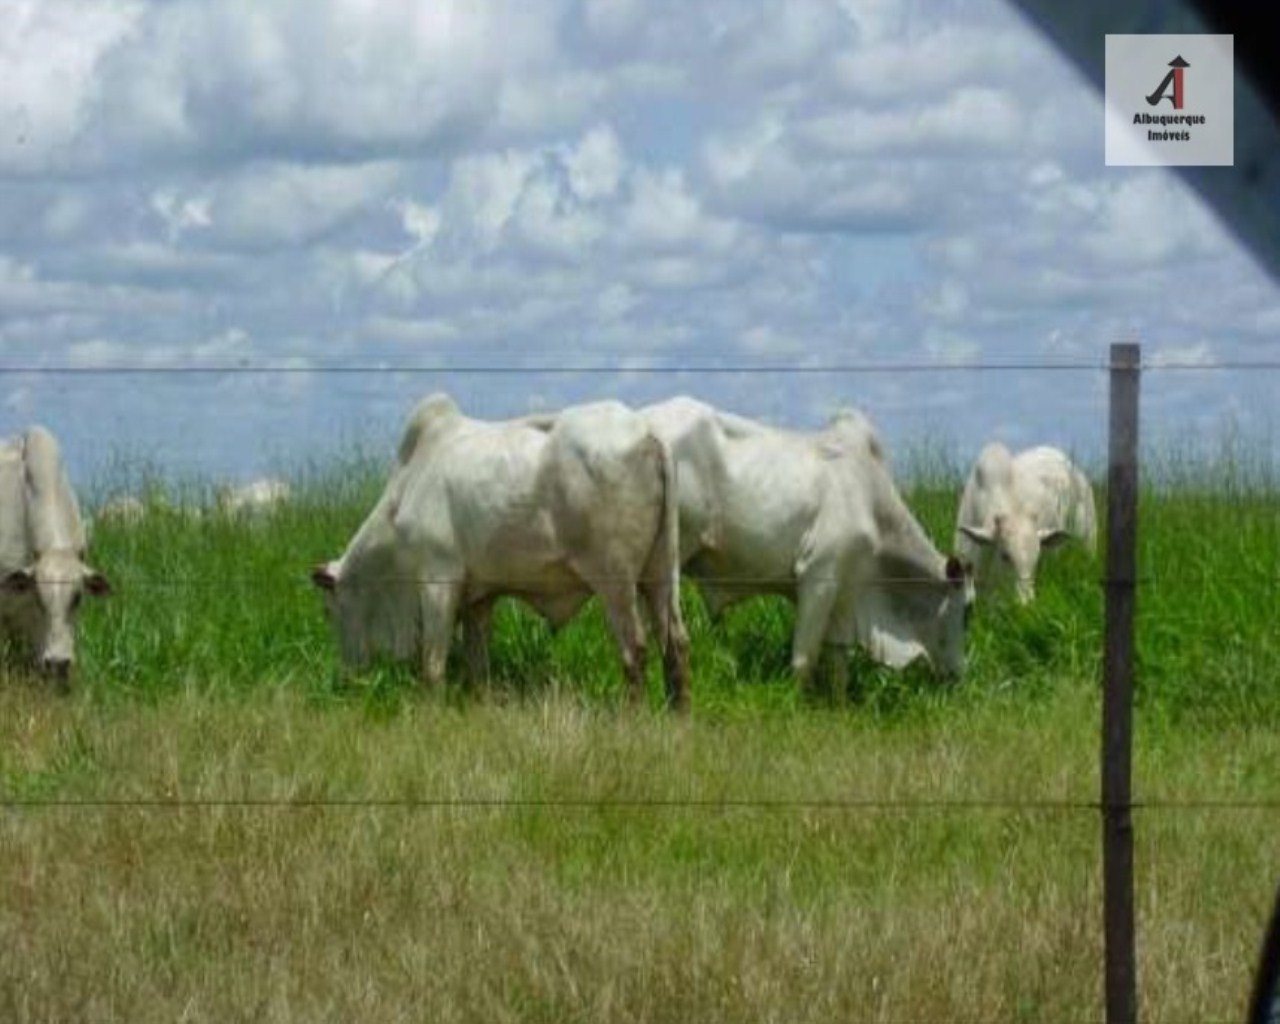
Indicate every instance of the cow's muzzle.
{"type": "Point", "coordinates": [58, 669]}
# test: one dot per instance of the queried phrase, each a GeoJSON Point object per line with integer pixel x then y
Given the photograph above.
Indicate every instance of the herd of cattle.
{"type": "Point", "coordinates": [603, 500]}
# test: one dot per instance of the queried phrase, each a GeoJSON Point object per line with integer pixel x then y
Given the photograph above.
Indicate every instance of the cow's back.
{"type": "Point", "coordinates": [778, 488]}
{"type": "Point", "coordinates": [15, 548]}
{"type": "Point", "coordinates": [1053, 492]}
{"type": "Point", "coordinates": [749, 493]}
{"type": "Point", "coordinates": [53, 513]}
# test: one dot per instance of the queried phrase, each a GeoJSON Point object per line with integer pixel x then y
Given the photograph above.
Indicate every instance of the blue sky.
{"type": "Point", "coordinates": [613, 183]}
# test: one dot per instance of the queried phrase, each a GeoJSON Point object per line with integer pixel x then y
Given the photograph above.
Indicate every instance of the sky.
{"type": "Point", "coordinates": [572, 193]}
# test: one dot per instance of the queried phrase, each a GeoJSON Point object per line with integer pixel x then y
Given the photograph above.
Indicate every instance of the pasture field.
{"type": "Point", "coordinates": [216, 824]}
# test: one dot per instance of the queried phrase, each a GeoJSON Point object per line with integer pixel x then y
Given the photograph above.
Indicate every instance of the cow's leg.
{"type": "Point", "coordinates": [622, 610]}
{"type": "Point", "coordinates": [663, 599]}
{"type": "Point", "coordinates": [815, 599]}
{"type": "Point", "coordinates": [476, 626]}
{"type": "Point", "coordinates": [439, 603]}
{"type": "Point", "coordinates": [835, 658]}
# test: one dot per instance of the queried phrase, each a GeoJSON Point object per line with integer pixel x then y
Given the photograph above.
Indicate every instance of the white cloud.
{"type": "Point", "coordinates": [67, 215]}
{"type": "Point", "coordinates": [948, 302]}
{"type": "Point", "coordinates": [613, 19]}
{"type": "Point", "coordinates": [232, 347]}
{"type": "Point", "coordinates": [24, 292]}
{"type": "Point", "coordinates": [875, 20]}
{"type": "Point", "coordinates": [948, 346]}
{"type": "Point", "coordinates": [616, 302]}
{"type": "Point", "coordinates": [274, 204]}
{"type": "Point", "coordinates": [975, 120]}
{"type": "Point", "coordinates": [484, 191]}
{"type": "Point", "coordinates": [1045, 173]}
{"type": "Point", "coordinates": [21, 401]}
{"type": "Point", "coordinates": [766, 342]}
{"type": "Point", "coordinates": [181, 215]}
{"type": "Point", "coordinates": [732, 159]}
{"type": "Point", "coordinates": [551, 223]}
{"type": "Point", "coordinates": [113, 82]}
{"type": "Point", "coordinates": [585, 181]}
{"type": "Point", "coordinates": [528, 107]}
{"type": "Point", "coordinates": [663, 213]}
{"type": "Point", "coordinates": [1149, 219]}
{"type": "Point", "coordinates": [595, 164]}
{"type": "Point", "coordinates": [1199, 354]}
{"type": "Point", "coordinates": [411, 330]}
{"type": "Point", "coordinates": [99, 352]}
{"type": "Point", "coordinates": [50, 55]}
{"type": "Point", "coordinates": [767, 175]}
{"type": "Point", "coordinates": [921, 67]}
{"type": "Point", "coordinates": [419, 221]}
{"type": "Point", "coordinates": [781, 39]}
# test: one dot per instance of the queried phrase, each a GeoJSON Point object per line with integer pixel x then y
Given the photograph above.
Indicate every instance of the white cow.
{"type": "Point", "coordinates": [817, 518]}
{"type": "Point", "coordinates": [258, 496]}
{"type": "Point", "coordinates": [43, 575]}
{"type": "Point", "coordinates": [1015, 506]}
{"type": "Point", "coordinates": [547, 509]}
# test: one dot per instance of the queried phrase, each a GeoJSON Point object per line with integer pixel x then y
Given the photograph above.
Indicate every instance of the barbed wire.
{"type": "Point", "coordinates": [365, 369]}
{"type": "Point", "coordinates": [540, 586]}
{"type": "Point", "coordinates": [718, 804]}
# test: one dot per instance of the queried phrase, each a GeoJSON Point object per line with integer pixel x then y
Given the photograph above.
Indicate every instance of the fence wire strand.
{"type": "Point", "coordinates": [480, 369]}
{"type": "Point", "coordinates": [874, 805]}
{"type": "Point", "coordinates": [540, 587]}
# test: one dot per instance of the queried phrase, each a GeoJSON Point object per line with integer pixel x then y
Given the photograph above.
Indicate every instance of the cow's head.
{"type": "Point", "coordinates": [325, 576]}
{"type": "Point", "coordinates": [341, 610]}
{"type": "Point", "coordinates": [48, 594]}
{"type": "Point", "coordinates": [373, 607]}
{"type": "Point", "coordinates": [946, 651]}
{"type": "Point", "coordinates": [1017, 543]}
{"type": "Point", "coordinates": [917, 612]}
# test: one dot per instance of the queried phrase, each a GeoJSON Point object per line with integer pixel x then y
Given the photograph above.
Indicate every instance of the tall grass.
{"type": "Point", "coordinates": [903, 909]}
{"type": "Point", "coordinates": [770, 859]}
{"type": "Point", "coordinates": [227, 602]}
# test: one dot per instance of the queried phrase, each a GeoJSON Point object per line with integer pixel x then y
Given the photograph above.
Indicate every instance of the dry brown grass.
{"type": "Point", "coordinates": [536, 913]}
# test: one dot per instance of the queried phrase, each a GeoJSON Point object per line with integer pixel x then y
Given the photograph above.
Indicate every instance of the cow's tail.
{"type": "Point", "coordinates": [664, 557]}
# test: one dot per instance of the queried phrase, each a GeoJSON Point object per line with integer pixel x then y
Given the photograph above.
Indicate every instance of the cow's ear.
{"type": "Point", "coordinates": [97, 584]}
{"type": "Point", "coordinates": [977, 534]}
{"type": "Point", "coordinates": [323, 577]}
{"type": "Point", "coordinates": [1052, 538]}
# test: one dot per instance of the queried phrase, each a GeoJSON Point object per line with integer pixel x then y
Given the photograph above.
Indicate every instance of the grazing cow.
{"type": "Point", "coordinates": [817, 518]}
{"type": "Point", "coordinates": [547, 509]}
{"type": "Point", "coordinates": [1015, 506]}
{"type": "Point", "coordinates": [43, 574]}
{"type": "Point", "coordinates": [257, 497]}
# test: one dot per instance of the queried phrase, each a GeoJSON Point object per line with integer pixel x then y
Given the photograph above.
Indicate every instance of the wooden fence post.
{"type": "Point", "coordinates": [1117, 681]}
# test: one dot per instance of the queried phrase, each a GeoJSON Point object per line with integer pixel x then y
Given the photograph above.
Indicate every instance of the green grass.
{"type": "Point", "coordinates": [220, 602]}
{"type": "Point", "coordinates": [211, 675]}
